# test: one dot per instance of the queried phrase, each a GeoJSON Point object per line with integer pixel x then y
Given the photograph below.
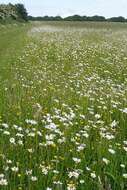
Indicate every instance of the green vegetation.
{"type": "Point", "coordinates": [63, 106]}
{"type": "Point", "coordinates": [11, 12]}
{"type": "Point", "coordinates": [95, 18]}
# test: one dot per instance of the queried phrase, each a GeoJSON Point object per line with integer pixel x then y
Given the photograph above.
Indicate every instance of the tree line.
{"type": "Point", "coordinates": [18, 12]}
{"type": "Point", "coordinates": [78, 18]}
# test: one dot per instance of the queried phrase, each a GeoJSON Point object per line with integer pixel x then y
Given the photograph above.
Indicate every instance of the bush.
{"type": "Point", "coordinates": [13, 12]}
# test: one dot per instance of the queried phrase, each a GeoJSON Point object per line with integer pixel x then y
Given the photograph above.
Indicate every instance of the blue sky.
{"type": "Point", "coordinates": [107, 8]}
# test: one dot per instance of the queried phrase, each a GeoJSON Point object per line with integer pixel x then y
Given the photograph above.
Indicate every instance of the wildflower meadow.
{"type": "Point", "coordinates": [63, 106]}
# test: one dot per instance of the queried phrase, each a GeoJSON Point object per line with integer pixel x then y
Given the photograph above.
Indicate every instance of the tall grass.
{"type": "Point", "coordinates": [63, 106]}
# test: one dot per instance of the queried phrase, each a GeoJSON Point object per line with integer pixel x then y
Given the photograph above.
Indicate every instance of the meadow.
{"type": "Point", "coordinates": [63, 106]}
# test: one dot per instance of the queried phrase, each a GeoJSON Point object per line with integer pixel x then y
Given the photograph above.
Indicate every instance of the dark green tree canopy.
{"type": "Point", "coordinates": [21, 11]}
{"type": "Point", "coordinates": [95, 18]}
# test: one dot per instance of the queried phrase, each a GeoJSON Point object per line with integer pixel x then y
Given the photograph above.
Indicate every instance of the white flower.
{"type": "Point", "coordinates": [5, 125]}
{"type": "Point", "coordinates": [30, 150]}
{"type": "Point", "coordinates": [122, 165]}
{"type": "Point", "coordinates": [114, 123]}
{"type": "Point", "coordinates": [124, 110]}
{"type": "Point", "coordinates": [125, 176]}
{"type": "Point", "coordinates": [48, 188]}
{"type": "Point", "coordinates": [106, 161]}
{"type": "Point", "coordinates": [51, 126]}
{"type": "Point", "coordinates": [85, 134]}
{"type": "Point", "coordinates": [93, 175]}
{"type": "Point", "coordinates": [49, 137]}
{"type": "Point", "coordinates": [49, 143]}
{"type": "Point", "coordinates": [15, 169]}
{"type": "Point", "coordinates": [44, 170]}
{"type": "Point", "coordinates": [73, 174]}
{"type": "Point", "coordinates": [3, 182]}
{"type": "Point", "coordinates": [82, 181]}
{"type": "Point", "coordinates": [6, 133]}
{"type": "Point", "coordinates": [62, 140]}
{"type": "Point", "coordinates": [109, 136]}
{"type": "Point", "coordinates": [12, 140]}
{"type": "Point", "coordinates": [28, 172]}
{"type": "Point", "coordinates": [76, 160]}
{"type": "Point", "coordinates": [97, 116]}
{"type": "Point", "coordinates": [1, 175]}
{"type": "Point", "coordinates": [125, 148]}
{"type": "Point", "coordinates": [19, 135]}
{"type": "Point", "coordinates": [88, 169]}
{"type": "Point", "coordinates": [20, 142]}
{"type": "Point", "coordinates": [31, 134]}
{"type": "Point", "coordinates": [9, 162]}
{"type": "Point", "coordinates": [125, 142]}
{"type": "Point", "coordinates": [39, 133]}
{"type": "Point", "coordinates": [55, 171]}
{"type": "Point", "coordinates": [57, 183]}
{"type": "Point", "coordinates": [81, 147]}
{"type": "Point", "coordinates": [30, 121]}
{"type": "Point", "coordinates": [33, 178]}
{"type": "Point", "coordinates": [111, 151]}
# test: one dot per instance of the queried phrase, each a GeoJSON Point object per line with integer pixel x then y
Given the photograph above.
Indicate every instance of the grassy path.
{"type": "Point", "coordinates": [13, 39]}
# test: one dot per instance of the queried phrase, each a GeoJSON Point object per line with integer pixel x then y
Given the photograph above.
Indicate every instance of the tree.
{"type": "Point", "coordinates": [117, 19]}
{"type": "Point", "coordinates": [21, 11]}
{"type": "Point", "coordinates": [97, 18]}
{"type": "Point", "coordinates": [74, 18]}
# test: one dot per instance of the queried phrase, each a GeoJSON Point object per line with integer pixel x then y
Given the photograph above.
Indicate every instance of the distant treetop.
{"type": "Point", "coordinates": [78, 18]}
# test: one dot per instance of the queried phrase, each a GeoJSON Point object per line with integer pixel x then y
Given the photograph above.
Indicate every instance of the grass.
{"type": "Point", "coordinates": [63, 106]}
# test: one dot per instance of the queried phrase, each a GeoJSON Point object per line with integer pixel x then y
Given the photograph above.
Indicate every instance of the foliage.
{"type": "Point", "coordinates": [117, 19]}
{"type": "Point", "coordinates": [21, 11]}
{"type": "Point", "coordinates": [13, 12]}
{"type": "Point", "coordinates": [95, 18]}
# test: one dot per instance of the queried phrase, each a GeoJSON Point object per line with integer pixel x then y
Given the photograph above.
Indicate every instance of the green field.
{"type": "Point", "coordinates": [63, 106]}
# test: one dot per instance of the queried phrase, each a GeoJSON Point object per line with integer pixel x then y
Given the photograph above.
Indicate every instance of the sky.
{"type": "Point", "coordinates": [107, 8]}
